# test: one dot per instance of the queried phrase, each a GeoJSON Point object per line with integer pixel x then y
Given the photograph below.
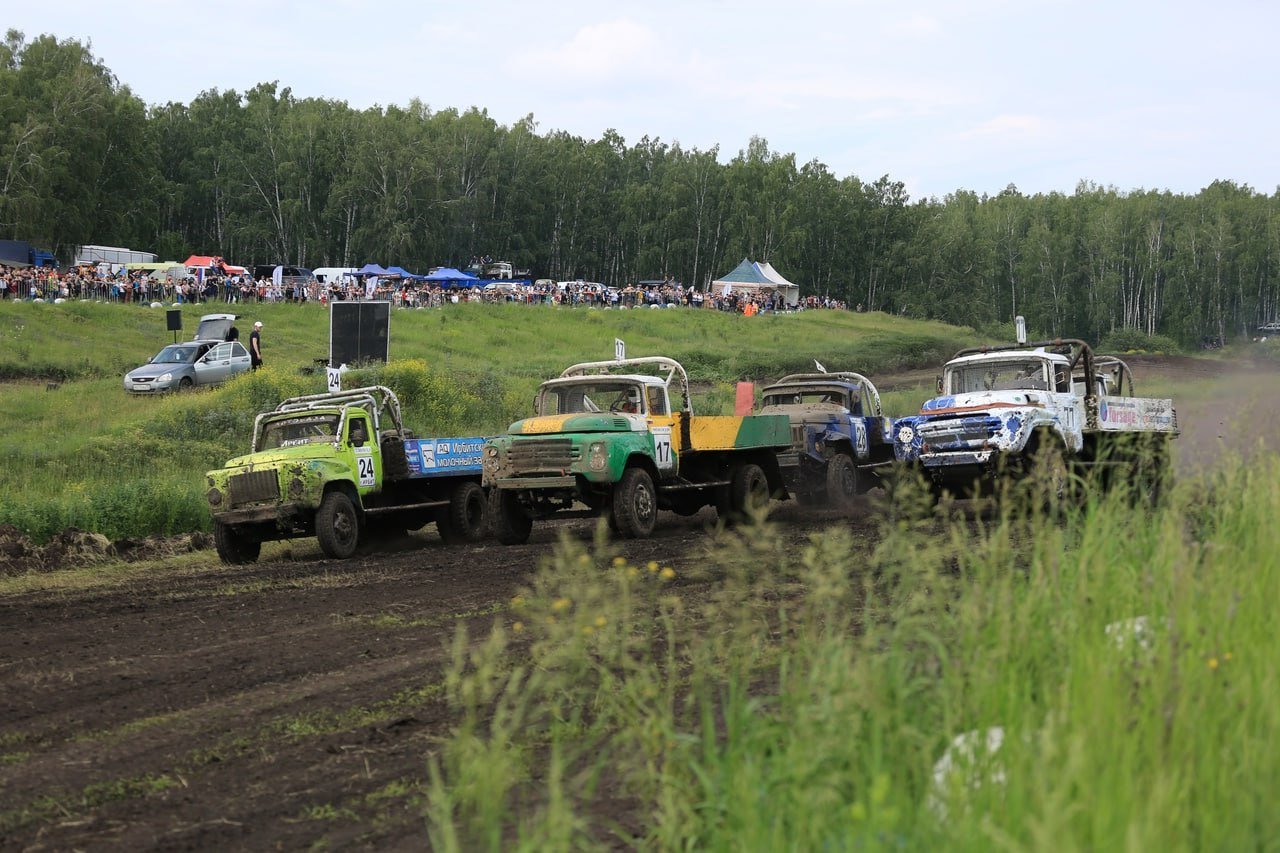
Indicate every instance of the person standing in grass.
{"type": "Point", "coordinates": [255, 345]}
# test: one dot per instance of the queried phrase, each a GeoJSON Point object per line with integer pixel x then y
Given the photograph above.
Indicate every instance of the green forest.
{"type": "Point", "coordinates": [263, 176]}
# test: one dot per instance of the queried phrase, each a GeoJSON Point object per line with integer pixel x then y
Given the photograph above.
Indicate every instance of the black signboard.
{"type": "Point", "coordinates": [359, 332]}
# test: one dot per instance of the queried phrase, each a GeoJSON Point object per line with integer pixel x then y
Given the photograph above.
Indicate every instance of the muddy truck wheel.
{"type": "Point", "coordinates": [337, 526]}
{"type": "Point", "coordinates": [844, 481]}
{"type": "Point", "coordinates": [465, 519]}
{"type": "Point", "coordinates": [635, 504]}
{"type": "Point", "coordinates": [234, 548]}
{"type": "Point", "coordinates": [748, 492]}
{"type": "Point", "coordinates": [512, 524]}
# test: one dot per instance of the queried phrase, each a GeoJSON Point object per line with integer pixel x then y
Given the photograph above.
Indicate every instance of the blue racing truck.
{"type": "Point", "coordinates": [342, 467]}
{"type": "Point", "coordinates": [839, 435]}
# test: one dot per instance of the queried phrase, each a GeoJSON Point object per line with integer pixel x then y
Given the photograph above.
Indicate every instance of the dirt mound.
{"type": "Point", "coordinates": [73, 548]}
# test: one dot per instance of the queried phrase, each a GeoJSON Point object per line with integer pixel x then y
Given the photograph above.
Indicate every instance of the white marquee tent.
{"type": "Point", "coordinates": [753, 278]}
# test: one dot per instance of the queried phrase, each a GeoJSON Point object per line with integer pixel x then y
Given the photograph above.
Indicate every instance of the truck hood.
{"type": "Point", "coordinates": [591, 422]}
{"type": "Point", "coordinates": [282, 455]}
{"type": "Point", "coordinates": [982, 400]}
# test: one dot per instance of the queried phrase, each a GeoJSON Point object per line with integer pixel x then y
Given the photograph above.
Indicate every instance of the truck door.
{"type": "Point", "coordinates": [662, 426]}
{"type": "Point", "coordinates": [368, 457]}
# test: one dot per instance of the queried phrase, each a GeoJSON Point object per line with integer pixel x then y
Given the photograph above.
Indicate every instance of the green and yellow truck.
{"type": "Point", "coordinates": [342, 467]}
{"type": "Point", "coordinates": [620, 438]}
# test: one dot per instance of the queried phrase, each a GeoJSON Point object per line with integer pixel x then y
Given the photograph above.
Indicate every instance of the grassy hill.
{"type": "Point", "coordinates": [89, 455]}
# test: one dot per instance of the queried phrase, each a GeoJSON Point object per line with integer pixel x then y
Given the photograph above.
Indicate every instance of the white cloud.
{"type": "Point", "coordinates": [1007, 127]}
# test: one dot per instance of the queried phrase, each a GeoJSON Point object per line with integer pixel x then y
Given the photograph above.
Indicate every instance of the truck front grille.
{"type": "Point", "coordinates": [543, 454]}
{"type": "Point", "coordinates": [253, 487]}
{"type": "Point", "coordinates": [960, 432]}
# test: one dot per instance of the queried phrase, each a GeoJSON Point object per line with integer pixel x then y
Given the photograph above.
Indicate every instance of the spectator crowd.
{"type": "Point", "coordinates": [99, 283]}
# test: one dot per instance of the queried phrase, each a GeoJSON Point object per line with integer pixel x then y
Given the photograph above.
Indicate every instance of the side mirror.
{"type": "Point", "coordinates": [939, 384]}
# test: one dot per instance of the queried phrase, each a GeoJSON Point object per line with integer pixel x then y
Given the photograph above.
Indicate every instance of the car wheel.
{"type": "Point", "coordinates": [512, 523]}
{"type": "Point", "coordinates": [635, 504]}
{"type": "Point", "coordinates": [465, 519]}
{"type": "Point", "coordinates": [843, 481]}
{"type": "Point", "coordinates": [234, 548]}
{"type": "Point", "coordinates": [185, 383]}
{"type": "Point", "coordinates": [337, 526]}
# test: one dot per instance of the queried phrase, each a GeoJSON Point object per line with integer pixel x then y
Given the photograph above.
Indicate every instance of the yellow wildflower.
{"type": "Point", "coordinates": [601, 621]}
{"type": "Point", "coordinates": [619, 562]}
{"type": "Point", "coordinates": [653, 567]}
{"type": "Point", "coordinates": [667, 573]}
{"type": "Point", "coordinates": [561, 604]}
{"type": "Point", "coordinates": [1213, 663]}
{"type": "Point", "coordinates": [517, 602]}
{"type": "Point", "coordinates": [517, 627]}
{"type": "Point", "coordinates": [1227, 656]}
{"type": "Point", "coordinates": [632, 572]}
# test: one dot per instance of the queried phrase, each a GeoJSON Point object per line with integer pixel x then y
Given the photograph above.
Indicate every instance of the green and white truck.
{"type": "Point", "coordinates": [342, 467]}
{"type": "Point", "coordinates": [621, 438]}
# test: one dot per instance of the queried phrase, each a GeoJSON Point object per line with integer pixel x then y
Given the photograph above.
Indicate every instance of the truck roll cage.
{"type": "Point", "coordinates": [376, 399]}
{"type": "Point", "coordinates": [668, 370]}
{"type": "Point", "coordinates": [839, 376]}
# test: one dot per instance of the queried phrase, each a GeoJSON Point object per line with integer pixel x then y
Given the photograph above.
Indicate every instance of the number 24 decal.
{"type": "Point", "coordinates": [364, 465]}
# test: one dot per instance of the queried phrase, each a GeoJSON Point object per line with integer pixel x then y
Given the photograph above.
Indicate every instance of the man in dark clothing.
{"type": "Point", "coordinates": [255, 345]}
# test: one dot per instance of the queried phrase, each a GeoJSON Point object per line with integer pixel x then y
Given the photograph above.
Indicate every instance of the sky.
{"type": "Point", "coordinates": [973, 95]}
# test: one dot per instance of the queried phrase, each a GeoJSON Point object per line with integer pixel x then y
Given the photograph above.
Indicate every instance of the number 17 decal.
{"type": "Point", "coordinates": [662, 454]}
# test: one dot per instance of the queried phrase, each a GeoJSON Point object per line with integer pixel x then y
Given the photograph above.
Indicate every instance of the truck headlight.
{"type": "Point", "coordinates": [597, 458]}
{"type": "Point", "coordinates": [215, 497]}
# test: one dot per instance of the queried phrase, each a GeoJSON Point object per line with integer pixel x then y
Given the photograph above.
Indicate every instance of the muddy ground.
{"type": "Point", "coordinates": [294, 702]}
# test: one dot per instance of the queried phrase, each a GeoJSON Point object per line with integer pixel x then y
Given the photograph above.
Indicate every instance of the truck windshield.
{"type": "Point", "coordinates": [289, 432]}
{"type": "Point", "coordinates": [600, 395]}
{"type": "Point", "coordinates": [801, 396]}
{"type": "Point", "coordinates": [1005, 375]}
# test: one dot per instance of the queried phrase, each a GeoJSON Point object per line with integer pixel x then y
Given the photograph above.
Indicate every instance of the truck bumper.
{"type": "Point", "coordinates": [568, 481]}
{"type": "Point", "coordinates": [284, 515]}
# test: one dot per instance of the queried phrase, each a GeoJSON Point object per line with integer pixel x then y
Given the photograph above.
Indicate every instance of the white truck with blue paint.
{"type": "Point", "coordinates": [839, 435]}
{"type": "Point", "coordinates": [1004, 411]}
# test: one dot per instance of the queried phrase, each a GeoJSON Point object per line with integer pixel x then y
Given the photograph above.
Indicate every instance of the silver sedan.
{"type": "Point", "coordinates": [181, 366]}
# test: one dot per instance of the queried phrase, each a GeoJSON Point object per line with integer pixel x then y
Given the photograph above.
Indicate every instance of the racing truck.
{"type": "Point", "coordinates": [341, 467]}
{"type": "Point", "coordinates": [1005, 412]}
{"type": "Point", "coordinates": [839, 435]}
{"type": "Point", "coordinates": [621, 438]}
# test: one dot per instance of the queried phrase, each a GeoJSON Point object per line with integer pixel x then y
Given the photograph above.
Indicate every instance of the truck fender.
{"type": "Point", "coordinates": [351, 491]}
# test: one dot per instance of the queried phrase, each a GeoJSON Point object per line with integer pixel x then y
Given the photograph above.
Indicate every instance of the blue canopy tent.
{"type": "Point", "coordinates": [451, 277]}
{"type": "Point", "coordinates": [372, 269]}
{"type": "Point", "coordinates": [403, 273]}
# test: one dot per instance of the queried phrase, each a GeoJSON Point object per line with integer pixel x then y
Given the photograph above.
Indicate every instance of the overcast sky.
{"type": "Point", "coordinates": [974, 95]}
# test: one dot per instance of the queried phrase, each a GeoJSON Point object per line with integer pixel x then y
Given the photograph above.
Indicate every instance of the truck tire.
{"type": "Point", "coordinates": [337, 526]}
{"type": "Point", "coordinates": [466, 516]}
{"type": "Point", "coordinates": [635, 504]}
{"type": "Point", "coordinates": [512, 524]}
{"type": "Point", "coordinates": [844, 481]}
{"type": "Point", "coordinates": [234, 549]}
{"type": "Point", "coordinates": [395, 464]}
{"type": "Point", "coordinates": [748, 492]}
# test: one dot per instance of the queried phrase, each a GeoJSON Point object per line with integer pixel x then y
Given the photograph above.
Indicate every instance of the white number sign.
{"type": "Point", "coordinates": [335, 379]}
{"type": "Point", "coordinates": [364, 465]}
{"type": "Point", "coordinates": [662, 447]}
{"type": "Point", "coordinates": [619, 349]}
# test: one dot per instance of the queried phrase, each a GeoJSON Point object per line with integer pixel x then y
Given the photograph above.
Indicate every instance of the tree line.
{"type": "Point", "coordinates": [264, 176]}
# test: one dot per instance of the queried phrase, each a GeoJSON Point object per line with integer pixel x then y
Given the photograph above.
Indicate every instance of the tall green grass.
{"type": "Point", "coordinates": [801, 698]}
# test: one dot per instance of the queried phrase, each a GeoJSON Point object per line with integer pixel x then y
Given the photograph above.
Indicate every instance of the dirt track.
{"type": "Point", "coordinates": [296, 701]}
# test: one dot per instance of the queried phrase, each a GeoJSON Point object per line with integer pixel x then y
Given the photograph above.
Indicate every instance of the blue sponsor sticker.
{"type": "Point", "coordinates": [437, 457]}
